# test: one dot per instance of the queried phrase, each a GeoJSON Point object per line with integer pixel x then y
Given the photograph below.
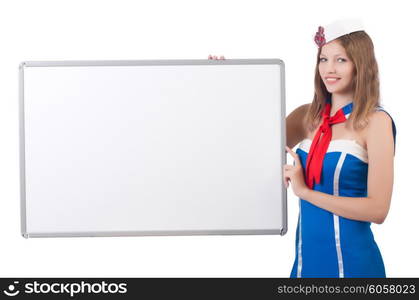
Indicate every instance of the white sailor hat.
{"type": "Point", "coordinates": [336, 29]}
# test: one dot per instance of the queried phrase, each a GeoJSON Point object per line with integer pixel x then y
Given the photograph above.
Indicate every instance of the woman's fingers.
{"type": "Point", "coordinates": [288, 167]}
{"type": "Point", "coordinates": [294, 155]}
{"type": "Point", "coordinates": [215, 57]}
{"type": "Point", "coordinates": [286, 181]}
{"type": "Point", "coordinates": [286, 177]}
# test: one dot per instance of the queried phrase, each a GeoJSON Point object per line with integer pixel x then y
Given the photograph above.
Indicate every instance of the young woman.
{"type": "Point", "coordinates": [343, 168]}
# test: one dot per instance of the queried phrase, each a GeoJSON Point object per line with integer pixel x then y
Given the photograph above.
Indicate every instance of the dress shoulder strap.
{"type": "Point", "coordinates": [380, 108]}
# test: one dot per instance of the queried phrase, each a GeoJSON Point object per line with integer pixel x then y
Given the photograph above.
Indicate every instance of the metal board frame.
{"type": "Point", "coordinates": [26, 64]}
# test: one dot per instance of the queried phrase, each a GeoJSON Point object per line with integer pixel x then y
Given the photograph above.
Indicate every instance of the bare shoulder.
{"type": "Point", "coordinates": [294, 124]}
{"type": "Point", "coordinates": [304, 110]}
{"type": "Point", "coordinates": [299, 112]}
{"type": "Point", "coordinates": [305, 107]}
{"type": "Point", "coordinates": [378, 120]}
{"type": "Point", "coordinates": [380, 115]}
{"type": "Point", "coordinates": [379, 134]}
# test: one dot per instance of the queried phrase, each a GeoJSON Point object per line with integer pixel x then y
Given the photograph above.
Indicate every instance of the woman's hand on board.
{"type": "Point", "coordinates": [294, 173]}
{"type": "Point", "coordinates": [215, 57]}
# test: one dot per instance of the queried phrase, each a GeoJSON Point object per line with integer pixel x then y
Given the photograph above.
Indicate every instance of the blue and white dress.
{"type": "Point", "coordinates": [328, 245]}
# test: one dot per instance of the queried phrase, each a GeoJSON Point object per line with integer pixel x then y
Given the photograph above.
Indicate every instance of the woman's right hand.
{"type": "Point", "coordinates": [215, 57]}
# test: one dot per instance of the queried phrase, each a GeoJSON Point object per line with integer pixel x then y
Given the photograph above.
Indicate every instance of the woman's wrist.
{"type": "Point", "coordinates": [305, 193]}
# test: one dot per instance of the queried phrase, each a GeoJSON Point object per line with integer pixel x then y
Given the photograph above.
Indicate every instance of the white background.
{"type": "Point", "coordinates": [113, 30]}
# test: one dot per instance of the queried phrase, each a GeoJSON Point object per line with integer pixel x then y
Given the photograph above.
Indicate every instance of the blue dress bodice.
{"type": "Point", "coordinates": [328, 245]}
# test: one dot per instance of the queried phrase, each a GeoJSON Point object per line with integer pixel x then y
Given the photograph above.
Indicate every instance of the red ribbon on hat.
{"type": "Point", "coordinates": [319, 146]}
{"type": "Point", "coordinates": [319, 38]}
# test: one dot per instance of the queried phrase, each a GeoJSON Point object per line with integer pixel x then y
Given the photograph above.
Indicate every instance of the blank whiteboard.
{"type": "Point", "coordinates": [152, 147]}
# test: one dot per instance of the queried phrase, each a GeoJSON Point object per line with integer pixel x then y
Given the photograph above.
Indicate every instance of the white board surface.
{"type": "Point", "coordinates": [169, 147]}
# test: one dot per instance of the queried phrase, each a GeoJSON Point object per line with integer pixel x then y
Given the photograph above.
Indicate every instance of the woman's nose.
{"type": "Point", "coordinates": [330, 67]}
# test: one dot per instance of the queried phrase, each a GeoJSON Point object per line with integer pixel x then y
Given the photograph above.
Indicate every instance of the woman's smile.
{"type": "Point", "coordinates": [331, 80]}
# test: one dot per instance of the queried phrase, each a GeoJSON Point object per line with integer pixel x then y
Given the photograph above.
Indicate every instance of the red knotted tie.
{"type": "Point", "coordinates": [319, 146]}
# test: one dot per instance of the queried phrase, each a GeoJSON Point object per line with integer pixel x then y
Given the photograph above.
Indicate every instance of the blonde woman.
{"type": "Point", "coordinates": [343, 168]}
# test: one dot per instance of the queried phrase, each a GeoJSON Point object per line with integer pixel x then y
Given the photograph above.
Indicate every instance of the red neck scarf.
{"type": "Point", "coordinates": [320, 144]}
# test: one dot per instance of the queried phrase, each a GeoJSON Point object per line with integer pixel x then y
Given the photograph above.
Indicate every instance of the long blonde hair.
{"type": "Point", "coordinates": [360, 50]}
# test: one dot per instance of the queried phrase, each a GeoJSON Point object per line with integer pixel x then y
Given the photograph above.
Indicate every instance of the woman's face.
{"type": "Point", "coordinates": [335, 68]}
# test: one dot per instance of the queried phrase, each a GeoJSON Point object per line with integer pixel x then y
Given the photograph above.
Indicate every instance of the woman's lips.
{"type": "Point", "coordinates": [332, 81]}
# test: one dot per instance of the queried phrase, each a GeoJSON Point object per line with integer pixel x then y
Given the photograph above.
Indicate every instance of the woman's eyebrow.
{"type": "Point", "coordinates": [335, 54]}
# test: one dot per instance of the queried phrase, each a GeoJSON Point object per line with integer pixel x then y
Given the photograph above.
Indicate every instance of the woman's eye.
{"type": "Point", "coordinates": [339, 59]}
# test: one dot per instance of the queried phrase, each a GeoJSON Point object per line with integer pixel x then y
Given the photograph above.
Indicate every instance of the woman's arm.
{"type": "Point", "coordinates": [374, 207]}
{"type": "Point", "coordinates": [294, 125]}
